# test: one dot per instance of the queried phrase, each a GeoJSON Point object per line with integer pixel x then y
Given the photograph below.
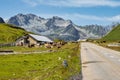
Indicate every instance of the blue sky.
{"type": "Point", "coordinates": [81, 12]}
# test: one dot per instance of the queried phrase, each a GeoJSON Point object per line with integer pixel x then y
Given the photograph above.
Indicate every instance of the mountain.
{"type": "Point", "coordinates": [9, 33]}
{"type": "Point", "coordinates": [56, 27]}
{"type": "Point", "coordinates": [94, 31]}
{"type": "Point", "coordinates": [113, 35]}
{"type": "Point", "coordinates": [1, 20]}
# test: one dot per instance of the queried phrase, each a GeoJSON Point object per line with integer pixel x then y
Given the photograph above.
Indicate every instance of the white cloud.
{"type": "Point", "coordinates": [31, 2]}
{"type": "Point", "coordinates": [74, 3]}
{"type": "Point", "coordinates": [98, 18]}
{"type": "Point", "coordinates": [115, 18]}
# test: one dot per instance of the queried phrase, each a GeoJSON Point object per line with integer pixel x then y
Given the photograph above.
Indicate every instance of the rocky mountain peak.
{"type": "Point", "coordinates": [57, 18]}
{"type": "Point", "coordinates": [58, 21]}
{"type": "Point", "coordinates": [24, 19]}
{"type": "Point", "coordinates": [20, 14]}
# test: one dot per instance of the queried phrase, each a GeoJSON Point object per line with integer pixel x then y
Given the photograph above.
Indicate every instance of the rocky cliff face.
{"type": "Point", "coordinates": [56, 27]}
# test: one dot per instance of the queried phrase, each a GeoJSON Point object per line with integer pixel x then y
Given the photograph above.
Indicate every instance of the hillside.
{"type": "Point", "coordinates": [9, 33]}
{"type": "Point", "coordinates": [114, 35]}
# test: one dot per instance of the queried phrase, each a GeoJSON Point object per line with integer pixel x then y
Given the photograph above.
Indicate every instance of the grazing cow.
{"type": "Point", "coordinates": [48, 45]}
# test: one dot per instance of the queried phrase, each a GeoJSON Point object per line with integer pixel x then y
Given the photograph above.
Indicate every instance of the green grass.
{"type": "Point", "coordinates": [115, 48]}
{"type": "Point", "coordinates": [46, 66]}
{"type": "Point", "coordinates": [9, 33]}
{"type": "Point", "coordinates": [110, 47]}
{"type": "Point", "coordinates": [25, 49]}
{"type": "Point", "coordinates": [114, 35]}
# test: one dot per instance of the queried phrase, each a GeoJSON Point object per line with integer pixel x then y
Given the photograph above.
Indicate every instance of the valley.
{"type": "Point", "coordinates": [34, 58]}
{"type": "Point", "coordinates": [60, 40]}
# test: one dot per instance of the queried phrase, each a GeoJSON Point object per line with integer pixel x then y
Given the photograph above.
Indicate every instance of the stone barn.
{"type": "Point", "coordinates": [32, 40]}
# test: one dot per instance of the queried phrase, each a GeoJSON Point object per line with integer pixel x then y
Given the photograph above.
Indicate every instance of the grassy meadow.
{"type": "Point", "coordinates": [43, 66]}
{"type": "Point", "coordinates": [105, 44]}
{"type": "Point", "coordinates": [23, 49]}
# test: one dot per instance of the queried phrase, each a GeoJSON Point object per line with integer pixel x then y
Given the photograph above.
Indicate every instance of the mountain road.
{"type": "Point", "coordinates": [99, 63]}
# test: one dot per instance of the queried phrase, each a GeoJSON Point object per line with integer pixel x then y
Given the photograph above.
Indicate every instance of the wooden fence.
{"type": "Point", "coordinates": [7, 45]}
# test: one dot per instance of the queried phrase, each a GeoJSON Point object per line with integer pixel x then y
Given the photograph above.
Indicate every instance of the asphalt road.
{"type": "Point", "coordinates": [99, 63]}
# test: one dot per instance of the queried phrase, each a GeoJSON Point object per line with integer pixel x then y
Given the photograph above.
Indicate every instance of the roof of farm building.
{"type": "Point", "coordinates": [40, 38]}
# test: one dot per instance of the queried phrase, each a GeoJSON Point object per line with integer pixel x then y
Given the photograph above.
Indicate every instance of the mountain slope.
{"type": "Point", "coordinates": [9, 33]}
{"type": "Point", "coordinates": [1, 20]}
{"type": "Point", "coordinates": [96, 30]}
{"type": "Point", "coordinates": [92, 31]}
{"type": "Point", "coordinates": [113, 35]}
{"type": "Point", "coordinates": [55, 27]}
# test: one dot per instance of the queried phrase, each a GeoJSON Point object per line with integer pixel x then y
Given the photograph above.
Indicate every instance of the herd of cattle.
{"type": "Point", "coordinates": [55, 44]}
